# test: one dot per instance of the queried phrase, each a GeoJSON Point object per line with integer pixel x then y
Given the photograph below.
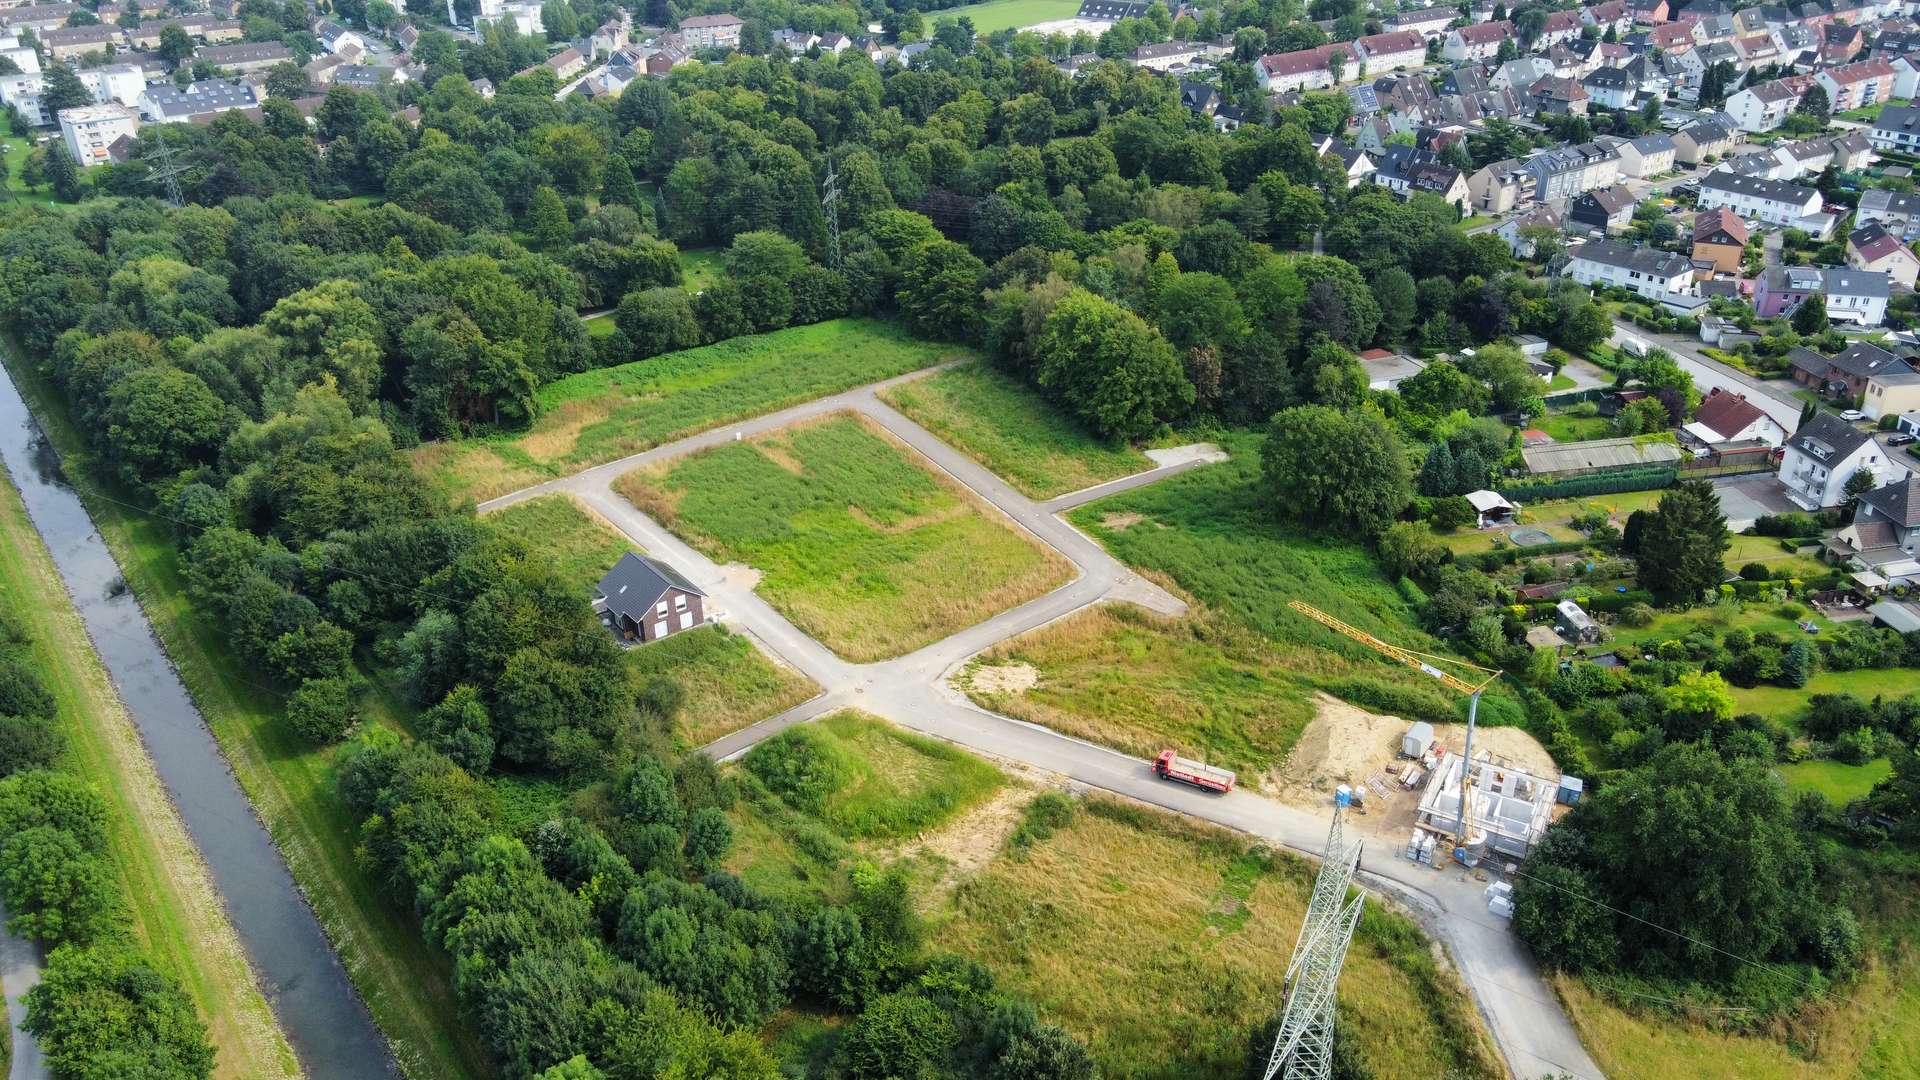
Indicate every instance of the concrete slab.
{"type": "Point", "coordinates": [1746, 498]}
{"type": "Point", "coordinates": [1181, 455]}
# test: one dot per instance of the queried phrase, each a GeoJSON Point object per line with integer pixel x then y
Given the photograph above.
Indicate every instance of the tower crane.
{"type": "Point", "coordinates": [1425, 664]}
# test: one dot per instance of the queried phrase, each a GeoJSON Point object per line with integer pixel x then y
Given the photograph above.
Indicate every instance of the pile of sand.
{"type": "Point", "coordinates": [1011, 678]}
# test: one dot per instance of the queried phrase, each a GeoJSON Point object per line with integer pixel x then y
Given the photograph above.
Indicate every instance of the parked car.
{"type": "Point", "coordinates": [1899, 440]}
{"type": "Point", "coordinates": [1852, 416]}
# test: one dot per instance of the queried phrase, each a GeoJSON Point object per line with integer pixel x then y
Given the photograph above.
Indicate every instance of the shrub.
{"type": "Point", "coordinates": [1399, 699]}
{"type": "Point", "coordinates": [321, 709]}
{"type": "Point", "coordinates": [1638, 615]}
{"type": "Point", "coordinates": [801, 769]}
{"type": "Point", "coordinates": [21, 693]}
{"type": "Point", "coordinates": [103, 1012]}
{"type": "Point", "coordinates": [1754, 571]}
{"type": "Point", "coordinates": [1046, 814]}
{"type": "Point", "coordinates": [1856, 747]}
{"type": "Point", "coordinates": [897, 1036]}
{"type": "Point", "coordinates": [1451, 512]}
{"type": "Point", "coordinates": [29, 743]}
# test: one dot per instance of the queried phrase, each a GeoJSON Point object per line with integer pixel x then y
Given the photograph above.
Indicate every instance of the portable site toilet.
{"type": "Point", "coordinates": [1571, 788]}
{"type": "Point", "coordinates": [1417, 739]}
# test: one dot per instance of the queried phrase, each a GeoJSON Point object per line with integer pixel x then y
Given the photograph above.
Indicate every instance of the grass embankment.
{"type": "Point", "coordinates": [405, 982]}
{"type": "Point", "coordinates": [1008, 14]}
{"type": "Point", "coordinates": [1125, 678]}
{"type": "Point", "coordinates": [178, 917]}
{"type": "Point", "coordinates": [601, 415]}
{"type": "Point", "coordinates": [1011, 430]}
{"type": "Point", "coordinates": [1164, 943]}
{"type": "Point", "coordinates": [861, 545]}
{"type": "Point", "coordinates": [1861, 1029]}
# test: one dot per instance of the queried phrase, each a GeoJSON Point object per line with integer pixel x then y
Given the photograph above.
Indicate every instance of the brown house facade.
{"type": "Point", "coordinates": [642, 599]}
{"type": "Point", "coordinates": [1720, 238]}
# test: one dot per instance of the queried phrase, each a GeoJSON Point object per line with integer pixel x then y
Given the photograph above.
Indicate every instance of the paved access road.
{"type": "Point", "coordinates": [1521, 1011]}
{"type": "Point", "coordinates": [1709, 374]}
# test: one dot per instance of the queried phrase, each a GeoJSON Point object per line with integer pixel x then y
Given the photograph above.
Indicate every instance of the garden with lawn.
{"type": "Point", "coordinates": [996, 15]}
{"type": "Point", "coordinates": [609, 413]}
{"type": "Point", "coordinates": [1007, 427]}
{"type": "Point", "coordinates": [860, 543]}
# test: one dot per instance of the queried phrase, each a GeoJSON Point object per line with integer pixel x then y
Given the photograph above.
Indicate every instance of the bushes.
{"type": "Point", "coordinates": [54, 876]}
{"type": "Point", "coordinates": [102, 1012]}
{"type": "Point", "coordinates": [1400, 699]}
{"type": "Point", "coordinates": [321, 709]}
{"type": "Point", "coordinates": [1046, 814]}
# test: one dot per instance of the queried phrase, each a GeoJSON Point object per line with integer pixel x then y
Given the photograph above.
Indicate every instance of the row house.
{"type": "Point", "coordinates": [1429, 22]}
{"type": "Point", "coordinates": [1575, 60]}
{"type": "Point", "coordinates": [1647, 156]}
{"type": "Point", "coordinates": [1165, 55]}
{"type": "Point", "coordinates": [1696, 143]}
{"type": "Point", "coordinates": [164, 103]}
{"type": "Point", "coordinates": [1500, 186]}
{"type": "Point", "coordinates": [200, 27]}
{"type": "Point", "coordinates": [1719, 240]}
{"type": "Point", "coordinates": [1893, 44]}
{"type": "Point", "coordinates": [1674, 37]}
{"type": "Point", "coordinates": [73, 41]}
{"type": "Point", "coordinates": [1566, 171]}
{"type": "Point", "coordinates": [1648, 12]}
{"type": "Point", "coordinates": [1847, 374]}
{"type": "Point", "coordinates": [1896, 128]}
{"type": "Point", "coordinates": [1612, 15]}
{"type": "Point", "coordinates": [1611, 87]}
{"type": "Point", "coordinates": [1479, 42]}
{"type": "Point", "coordinates": [40, 18]}
{"type": "Point", "coordinates": [1899, 211]}
{"type": "Point", "coordinates": [1763, 107]}
{"type": "Point", "coordinates": [245, 56]}
{"type": "Point", "coordinates": [1852, 296]}
{"type": "Point", "coordinates": [1560, 28]}
{"type": "Point", "coordinates": [1853, 86]}
{"type": "Point", "coordinates": [1391, 51]}
{"type": "Point", "coordinates": [1520, 74]}
{"type": "Point", "coordinates": [1304, 69]}
{"type": "Point", "coordinates": [1647, 272]}
{"type": "Point", "coordinates": [1758, 50]}
{"type": "Point", "coordinates": [1558, 96]}
{"type": "Point", "coordinates": [1753, 197]}
{"type": "Point", "coordinates": [1406, 171]}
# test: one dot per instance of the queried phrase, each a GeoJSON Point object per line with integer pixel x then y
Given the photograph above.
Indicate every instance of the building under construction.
{"type": "Point", "coordinates": [1508, 811]}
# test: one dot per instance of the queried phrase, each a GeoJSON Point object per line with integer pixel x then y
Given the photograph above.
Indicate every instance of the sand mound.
{"type": "Point", "coordinates": [1005, 678]}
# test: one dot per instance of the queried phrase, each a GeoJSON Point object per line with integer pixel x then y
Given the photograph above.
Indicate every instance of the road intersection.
{"type": "Point", "coordinates": [1527, 1023]}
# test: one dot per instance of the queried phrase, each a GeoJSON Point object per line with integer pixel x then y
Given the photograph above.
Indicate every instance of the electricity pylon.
{"type": "Point", "coordinates": [1304, 1046]}
{"type": "Point", "coordinates": [164, 170]}
{"type": "Point", "coordinates": [830, 201]}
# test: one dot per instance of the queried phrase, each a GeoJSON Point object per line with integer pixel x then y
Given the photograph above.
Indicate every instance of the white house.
{"type": "Point", "coordinates": [1479, 42]}
{"type": "Point", "coordinates": [1763, 107]}
{"type": "Point", "coordinates": [1611, 87]}
{"type": "Point", "coordinates": [336, 38]}
{"type": "Point", "coordinates": [1872, 247]}
{"type": "Point", "coordinates": [1823, 455]}
{"type": "Point", "coordinates": [1729, 417]}
{"type": "Point", "coordinates": [90, 129]}
{"type": "Point", "coordinates": [1856, 296]}
{"type": "Point", "coordinates": [1391, 51]}
{"type": "Point", "coordinates": [1649, 272]}
{"type": "Point", "coordinates": [1896, 128]}
{"type": "Point", "coordinates": [1774, 201]}
{"type": "Point", "coordinates": [122, 83]}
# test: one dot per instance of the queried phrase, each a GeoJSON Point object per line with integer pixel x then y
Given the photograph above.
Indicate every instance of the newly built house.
{"type": "Point", "coordinates": [643, 599]}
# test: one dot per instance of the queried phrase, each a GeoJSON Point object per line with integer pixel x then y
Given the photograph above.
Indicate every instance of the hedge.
{"type": "Point", "coordinates": [1507, 556]}
{"type": "Point", "coordinates": [1578, 487]}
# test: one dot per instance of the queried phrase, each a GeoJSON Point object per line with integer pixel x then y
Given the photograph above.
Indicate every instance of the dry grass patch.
{"type": "Point", "coordinates": [472, 470]}
{"type": "Point", "coordinates": [865, 548]}
{"type": "Point", "coordinates": [559, 430]}
{"type": "Point", "coordinates": [1163, 943]}
{"type": "Point", "coordinates": [1137, 682]}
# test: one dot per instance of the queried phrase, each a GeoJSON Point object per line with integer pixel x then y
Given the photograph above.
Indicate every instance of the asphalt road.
{"type": "Point", "coordinates": [1529, 1027]}
{"type": "Point", "coordinates": [19, 972]}
{"type": "Point", "coordinates": [1709, 373]}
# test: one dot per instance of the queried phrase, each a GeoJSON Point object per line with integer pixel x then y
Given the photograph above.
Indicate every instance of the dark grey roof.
{"type": "Point", "coordinates": [1827, 438]}
{"type": "Point", "coordinates": [1653, 142]}
{"type": "Point", "coordinates": [1610, 200]}
{"type": "Point", "coordinates": [1899, 502]}
{"type": "Point", "coordinates": [205, 96]}
{"type": "Point", "coordinates": [1609, 78]}
{"type": "Point", "coordinates": [242, 53]}
{"type": "Point", "coordinates": [636, 583]}
{"type": "Point", "coordinates": [1864, 359]}
{"type": "Point", "coordinates": [1663, 264]}
{"type": "Point", "coordinates": [1846, 281]}
{"type": "Point", "coordinates": [1897, 118]}
{"type": "Point", "coordinates": [1758, 187]}
{"type": "Point", "coordinates": [1882, 201]}
{"type": "Point", "coordinates": [1706, 133]}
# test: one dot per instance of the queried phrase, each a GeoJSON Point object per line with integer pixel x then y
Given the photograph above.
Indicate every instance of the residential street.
{"type": "Point", "coordinates": [1709, 373]}
{"type": "Point", "coordinates": [1532, 1032]}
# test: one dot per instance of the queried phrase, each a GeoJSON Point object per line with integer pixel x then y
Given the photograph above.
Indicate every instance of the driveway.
{"type": "Point", "coordinates": [1746, 498]}
{"type": "Point", "coordinates": [1532, 1032]}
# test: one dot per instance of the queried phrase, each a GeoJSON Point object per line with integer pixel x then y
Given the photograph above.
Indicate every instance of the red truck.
{"type": "Point", "coordinates": [1171, 766]}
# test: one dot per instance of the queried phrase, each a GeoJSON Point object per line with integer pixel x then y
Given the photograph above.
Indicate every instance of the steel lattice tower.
{"type": "Point", "coordinates": [1304, 1046]}
{"type": "Point", "coordinates": [830, 201]}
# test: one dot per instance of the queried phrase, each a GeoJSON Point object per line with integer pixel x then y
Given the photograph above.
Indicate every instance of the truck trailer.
{"type": "Point", "coordinates": [1171, 766]}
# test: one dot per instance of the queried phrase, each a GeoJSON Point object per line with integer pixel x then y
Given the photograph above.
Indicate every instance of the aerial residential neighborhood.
{"type": "Point", "coordinates": [1043, 539]}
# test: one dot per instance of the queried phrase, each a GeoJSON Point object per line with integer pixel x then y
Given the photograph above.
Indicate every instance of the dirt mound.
{"type": "Point", "coordinates": [1011, 678]}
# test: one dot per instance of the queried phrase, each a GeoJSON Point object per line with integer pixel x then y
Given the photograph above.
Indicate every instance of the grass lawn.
{"type": "Point", "coordinates": [1781, 702]}
{"type": "Point", "coordinates": [1766, 550]}
{"type": "Point", "coordinates": [1008, 14]}
{"type": "Point", "coordinates": [1008, 428]}
{"type": "Point", "coordinates": [601, 326]}
{"type": "Point", "coordinates": [860, 544]}
{"type": "Point", "coordinates": [178, 918]}
{"type": "Point", "coordinates": [1757, 617]}
{"type": "Point", "coordinates": [699, 269]}
{"type": "Point", "coordinates": [406, 983]}
{"type": "Point", "coordinates": [1839, 782]}
{"type": "Point", "coordinates": [870, 780]}
{"type": "Point", "coordinates": [601, 415]}
{"type": "Point", "coordinates": [1130, 680]}
{"type": "Point", "coordinates": [17, 192]}
{"type": "Point", "coordinates": [729, 683]}
{"type": "Point", "coordinates": [1864, 113]}
{"type": "Point", "coordinates": [1566, 427]}
{"type": "Point", "coordinates": [571, 539]}
{"type": "Point", "coordinates": [1560, 382]}
{"type": "Point", "coordinates": [1163, 943]}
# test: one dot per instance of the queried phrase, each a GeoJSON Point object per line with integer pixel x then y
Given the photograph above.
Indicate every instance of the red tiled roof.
{"type": "Point", "coordinates": [1847, 74]}
{"type": "Point", "coordinates": [1718, 219]}
{"type": "Point", "coordinates": [1486, 33]}
{"type": "Point", "coordinates": [1727, 413]}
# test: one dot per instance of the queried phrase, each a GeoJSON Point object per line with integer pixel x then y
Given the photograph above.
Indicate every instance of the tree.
{"type": "Point", "coordinates": [547, 220]}
{"type": "Point", "coordinates": [63, 90]}
{"type": "Point", "coordinates": [101, 1011]}
{"type": "Point", "coordinates": [1394, 291]}
{"type": "Point", "coordinates": [1555, 912]}
{"type": "Point", "coordinates": [1695, 705]}
{"type": "Point", "coordinates": [897, 1036]}
{"type": "Point", "coordinates": [1683, 545]}
{"type": "Point", "coordinates": [176, 44]}
{"type": "Point", "coordinates": [321, 709]}
{"type": "Point", "coordinates": [160, 420]}
{"type": "Point", "coordinates": [1646, 416]}
{"type": "Point", "coordinates": [618, 189]}
{"type": "Point", "coordinates": [1107, 365]}
{"type": "Point", "coordinates": [1810, 316]}
{"type": "Point", "coordinates": [940, 290]}
{"type": "Point", "coordinates": [1815, 103]}
{"type": "Point", "coordinates": [1858, 484]}
{"type": "Point", "coordinates": [1409, 548]}
{"type": "Point", "coordinates": [1339, 471]}
{"type": "Point", "coordinates": [658, 321]}
{"type": "Point", "coordinates": [63, 175]}
{"type": "Point", "coordinates": [56, 889]}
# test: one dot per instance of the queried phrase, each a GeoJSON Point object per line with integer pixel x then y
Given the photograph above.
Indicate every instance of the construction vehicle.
{"type": "Point", "coordinates": [1171, 766]}
{"type": "Point", "coordinates": [1425, 664]}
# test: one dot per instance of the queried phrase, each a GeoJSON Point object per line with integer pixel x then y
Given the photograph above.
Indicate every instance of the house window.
{"type": "Point", "coordinates": [680, 602]}
{"type": "Point", "coordinates": [660, 608]}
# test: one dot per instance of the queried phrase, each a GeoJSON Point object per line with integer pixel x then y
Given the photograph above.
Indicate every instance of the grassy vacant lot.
{"type": "Point", "coordinates": [1011, 430]}
{"type": "Point", "coordinates": [699, 269]}
{"type": "Point", "coordinates": [729, 683]}
{"type": "Point", "coordinates": [870, 780]}
{"type": "Point", "coordinates": [179, 920]}
{"type": "Point", "coordinates": [1779, 701]}
{"type": "Point", "coordinates": [1125, 678]}
{"type": "Point", "coordinates": [1553, 515]}
{"type": "Point", "coordinates": [1212, 533]}
{"type": "Point", "coordinates": [1566, 427]}
{"type": "Point", "coordinates": [406, 983]}
{"type": "Point", "coordinates": [1163, 943]}
{"type": "Point", "coordinates": [573, 540]}
{"type": "Point", "coordinates": [1009, 14]}
{"type": "Point", "coordinates": [860, 544]}
{"type": "Point", "coordinates": [17, 192]}
{"type": "Point", "coordinates": [1839, 782]}
{"type": "Point", "coordinates": [601, 415]}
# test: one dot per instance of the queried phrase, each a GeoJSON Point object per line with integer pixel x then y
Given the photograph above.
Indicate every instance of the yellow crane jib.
{"type": "Point", "coordinates": [1418, 661]}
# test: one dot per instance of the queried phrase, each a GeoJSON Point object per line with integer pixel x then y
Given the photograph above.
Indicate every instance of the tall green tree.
{"type": "Point", "coordinates": [1810, 317]}
{"type": "Point", "coordinates": [1108, 366]}
{"type": "Point", "coordinates": [1684, 543]}
{"type": "Point", "coordinates": [1339, 471]}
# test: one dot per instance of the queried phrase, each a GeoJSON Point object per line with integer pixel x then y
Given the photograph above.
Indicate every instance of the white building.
{"type": "Point", "coordinates": [24, 58]}
{"type": "Point", "coordinates": [91, 129]}
{"type": "Point", "coordinates": [1763, 107]}
{"type": "Point", "coordinates": [1896, 128]}
{"type": "Point", "coordinates": [1649, 272]}
{"type": "Point", "coordinates": [1823, 455]}
{"type": "Point", "coordinates": [1649, 155]}
{"type": "Point", "coordinates": [1855, 296]}
{"type": "Point", "coordinates": [1478, 42]}
{"type": "Point", "coordinates": [1391, 51]}
{"type": "Point", "coordinates": [712, 31]}
{"type": "Point", "coordinates": [1774, 201]}
{"type": "Point", "coordinates": [1727, 417]}
{"type": "Point", "coordinates": [122, 83]}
